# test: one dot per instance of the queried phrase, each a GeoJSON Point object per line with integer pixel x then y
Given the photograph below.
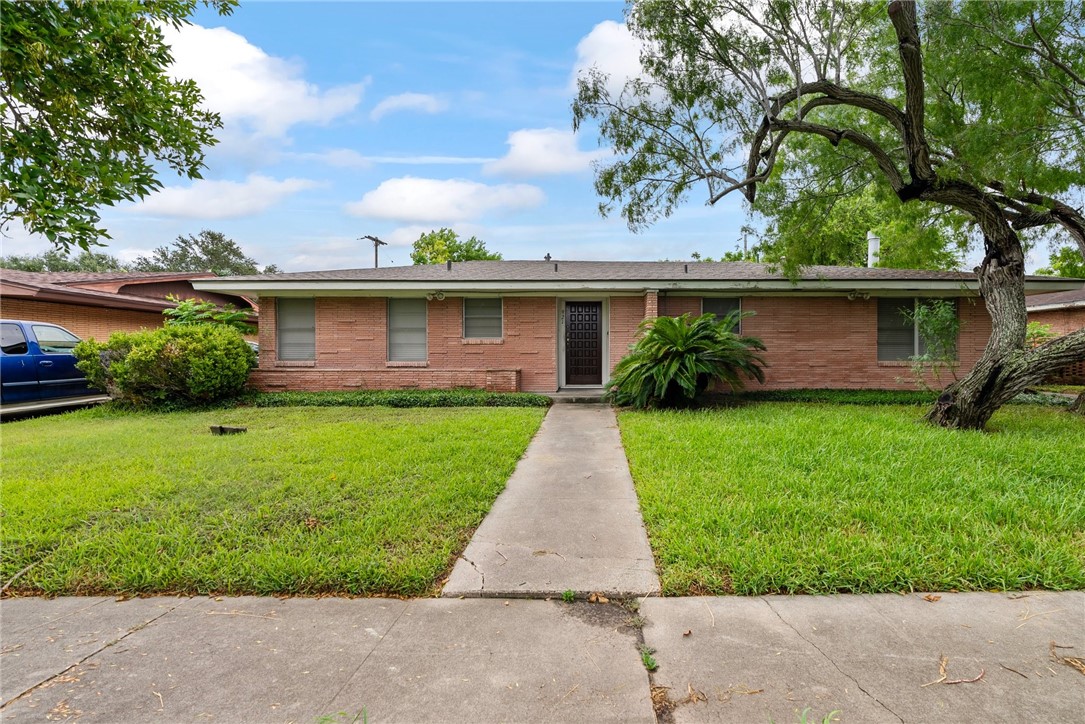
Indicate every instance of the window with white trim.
{"type": "Point", "coordinates": [406, 330]}
{"type": "Point", "coordinates": [721, 307]}
{"type": "Point", "coordinates": [295, 329]}
{"type": "Point", "coordinates": [898, 338]}
{"type": "Point", "coordinates": [481, 318]}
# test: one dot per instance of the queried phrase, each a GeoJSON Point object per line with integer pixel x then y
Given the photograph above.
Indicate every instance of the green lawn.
{"type": "Point", "coordinates": [810, 498]}
{"type": "Point", "coordinates": [309, 500]}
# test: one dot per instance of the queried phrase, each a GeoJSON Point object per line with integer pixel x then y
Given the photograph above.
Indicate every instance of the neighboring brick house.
{"type": "Point", "coordinates": [542, 326]}
{"type": "Point", "coordinates": [98, 304]}
{"type": "Point", "coordinates": [1065, 313]}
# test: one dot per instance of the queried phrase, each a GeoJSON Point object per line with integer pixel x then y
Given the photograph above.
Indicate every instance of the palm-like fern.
{"type": "Point", "coordinates": [676, 358]}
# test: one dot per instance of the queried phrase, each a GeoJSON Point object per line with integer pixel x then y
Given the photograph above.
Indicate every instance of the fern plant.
{"type": "Point", "coordinates": [676, 358]}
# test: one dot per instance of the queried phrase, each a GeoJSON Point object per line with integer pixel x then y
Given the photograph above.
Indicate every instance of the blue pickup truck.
{"type": "Point", "coordinates": [37, 363]}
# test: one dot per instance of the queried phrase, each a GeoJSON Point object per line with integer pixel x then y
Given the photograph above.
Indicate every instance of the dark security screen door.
{"type": "Point", "coordinates": [583, 343]}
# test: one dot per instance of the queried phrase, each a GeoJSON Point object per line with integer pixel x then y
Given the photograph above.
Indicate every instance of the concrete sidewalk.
{"type": "Point", "coordinates": [727, 659]}
{"type": "Point", "coordinates": [567, 520]}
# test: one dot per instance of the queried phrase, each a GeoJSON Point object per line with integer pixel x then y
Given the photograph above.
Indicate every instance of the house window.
{"type": "Point", "coordinates": [482, 318]}
{"type": "Point", "coordinates": [407, 330]}
{"type": "Point", "coordinates": [295, 329]}
{"type": "Point", "coordinates": [721, 307]}
{"type": "Point", "coordinates": [898, 338]}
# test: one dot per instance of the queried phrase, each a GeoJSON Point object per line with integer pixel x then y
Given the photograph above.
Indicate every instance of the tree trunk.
{"type": "Point", "coordinates": [994, 381]}
{"type": "Point", "coordinates": [1006, 367]}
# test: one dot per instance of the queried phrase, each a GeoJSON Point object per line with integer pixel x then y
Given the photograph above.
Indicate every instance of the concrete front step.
{"type": "Point", "coordinates": [593, 396]}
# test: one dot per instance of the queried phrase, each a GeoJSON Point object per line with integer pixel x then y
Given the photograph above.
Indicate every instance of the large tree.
{"type": "Point", "coordinates": [89, 111]}
{"type": "Point", "coordinates": [1065, 262]}
{"type": "Point", "coordinates": [972, 108]}
{"type": "Point", "coordinates": [437, 247]}
{"type": "Point", "coordinates": [207, 251]}
{"type": "Point", "coordinates": [57, 261]}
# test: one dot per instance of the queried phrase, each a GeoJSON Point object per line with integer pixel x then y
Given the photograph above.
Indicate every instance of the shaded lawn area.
{"type": "Point", "coordinates": [308, 501]}
{"type": "Point", "coordinates": [809, 498]}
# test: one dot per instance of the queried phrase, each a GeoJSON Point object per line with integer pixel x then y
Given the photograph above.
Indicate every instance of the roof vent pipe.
{"type": "Point", "coordinates": [555, 266]}
{"type": "Point", "coordinates": [873, 249]}
{"type": "Point", "coordinates": [686, 268]}
{"type": "Point", "coordinates": [448, 265]}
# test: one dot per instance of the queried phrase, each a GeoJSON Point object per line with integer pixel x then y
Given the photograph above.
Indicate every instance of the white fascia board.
{"type": "Point", "coordinates": [329, 287]}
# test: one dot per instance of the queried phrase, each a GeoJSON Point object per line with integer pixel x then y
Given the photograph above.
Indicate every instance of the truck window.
{"type": "Point", "coordinates": [12, 339]}
{"type": "Point", "coordinates": [54, 340]}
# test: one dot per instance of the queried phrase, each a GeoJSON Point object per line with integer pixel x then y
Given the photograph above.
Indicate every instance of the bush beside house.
{"type": "Point", "coordinates": [178, 365]}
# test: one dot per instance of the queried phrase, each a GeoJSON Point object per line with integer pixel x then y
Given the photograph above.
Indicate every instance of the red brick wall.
{"type": "Point", "coordinates": [84, 322]}
{"type": "Point", "coordinates": [352, 342]}
{"type": "Point", "coordinates": [812, 342]}
{"type": "Point", "coordinates": [626, 313]}
{"type": "Point", "coordinates": [832, 342]}
{"type": "Point", "coordinates": [1062, 321]}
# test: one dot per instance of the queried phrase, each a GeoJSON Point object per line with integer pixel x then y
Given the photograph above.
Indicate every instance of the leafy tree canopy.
{"type": "Point", "coordinates": [207, 251]}
{"type": "Point", "coordinates": [437, 247]}
{"type": "Point", "coordinates": [1066, 261]}
{"type": "Point", "coordinates": [973, 110]}
{"type": "Point", "coordinates": [88, 109]}
{"type": "Point", "coordinates": [58, 261]}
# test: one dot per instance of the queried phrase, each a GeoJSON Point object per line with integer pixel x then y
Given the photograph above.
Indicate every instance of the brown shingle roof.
{"type": "Point", "coordinates": [1074, 297]}
{"type": "Point", "coordinates": [648, 271]}
{"type": "Point", "coordinates": [74, 278]}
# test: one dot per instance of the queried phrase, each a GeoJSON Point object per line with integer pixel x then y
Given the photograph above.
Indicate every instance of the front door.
{"type": "Point", "coordinates": [583, 343]}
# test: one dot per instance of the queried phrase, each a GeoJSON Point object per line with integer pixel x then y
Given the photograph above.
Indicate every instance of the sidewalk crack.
{"type": "Point", "coordinates": [92, 654]}
{"type": "Point", "coordinates": [477, 570]}
{"type": "Point", "coordinates": [831, 661]}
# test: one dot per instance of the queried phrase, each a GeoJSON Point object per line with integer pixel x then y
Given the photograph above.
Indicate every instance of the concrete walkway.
{"type": "Point", "coordinates": [730, 659]}
{"type": "Point", "coordinates": [567, 520]}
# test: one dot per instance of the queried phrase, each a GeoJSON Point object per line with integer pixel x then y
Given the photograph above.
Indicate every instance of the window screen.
{"type": "Point", "coordinates": [482, 318]}
{"type": "Point", "coordinates": [407, 330]}
{"type": "Point", "coordinates": [896, 334]}
{"type": "Point", "coordinates": [721, 307]}
{"type": "Point", "coordinates": [296, 328]}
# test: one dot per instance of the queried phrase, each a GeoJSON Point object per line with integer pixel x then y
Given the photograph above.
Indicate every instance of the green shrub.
{"type": "Point", "coordinates": [198, 311]}
{"type": "Point", "coordinates": [676, 358]}
{"type": "Point", "coordinates": [176, 365]}
{"type": "Point", "coordinates": [398, 398]}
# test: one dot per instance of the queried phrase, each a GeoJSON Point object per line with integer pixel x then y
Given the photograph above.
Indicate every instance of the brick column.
{"type": "Point", "coordinates": [651, 304]}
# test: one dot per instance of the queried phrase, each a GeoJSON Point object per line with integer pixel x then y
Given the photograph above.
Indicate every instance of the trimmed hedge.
{"type": "Point", "coordinates": [397, 398]}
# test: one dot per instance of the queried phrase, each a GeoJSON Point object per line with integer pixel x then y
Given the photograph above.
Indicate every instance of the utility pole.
{"type": "Point", "coordinates": [377, 244]}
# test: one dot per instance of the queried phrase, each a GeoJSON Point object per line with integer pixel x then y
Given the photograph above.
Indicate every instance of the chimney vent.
{"type": "Point", "coordinates": [448, 265]}
{"type": "Point", "coordinates": [873, 249]}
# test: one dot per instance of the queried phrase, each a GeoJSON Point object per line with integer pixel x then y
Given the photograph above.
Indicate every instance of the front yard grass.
{"type": "Point", "coordinates": [811, 498]}
{"type": "Point", "coordinates": [308, 501]}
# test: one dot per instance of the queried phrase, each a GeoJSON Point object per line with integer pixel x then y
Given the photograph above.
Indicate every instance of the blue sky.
{"type": "Point", "coordinates": [350, 118]}
{"type": "Point", "coordinates": [344, 119]}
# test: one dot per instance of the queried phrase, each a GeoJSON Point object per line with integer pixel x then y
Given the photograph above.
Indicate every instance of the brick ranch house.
{"type": "Point", "coordinates": [542, 326]}
{"type": "Point", "coordinates": [96, 304]}
{"type": "Point", "coordinates": [1065, 313]}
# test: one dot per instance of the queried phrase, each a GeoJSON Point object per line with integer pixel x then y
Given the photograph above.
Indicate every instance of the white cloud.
{"type": "Point", "coordinates": [220, 199]}
{"type": "Point", "coordinates": [421, 200]}
{"type": "Point", "coordinates": [541, 151]}
{"type": "Point", "coordinates": [421, 102]}
{"type": "Point", "coordinates": [349, 158]}
{"type": "Point", "coordinates": [263, 93]}
{"type": "Point", "coordinates": [612, 49]}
